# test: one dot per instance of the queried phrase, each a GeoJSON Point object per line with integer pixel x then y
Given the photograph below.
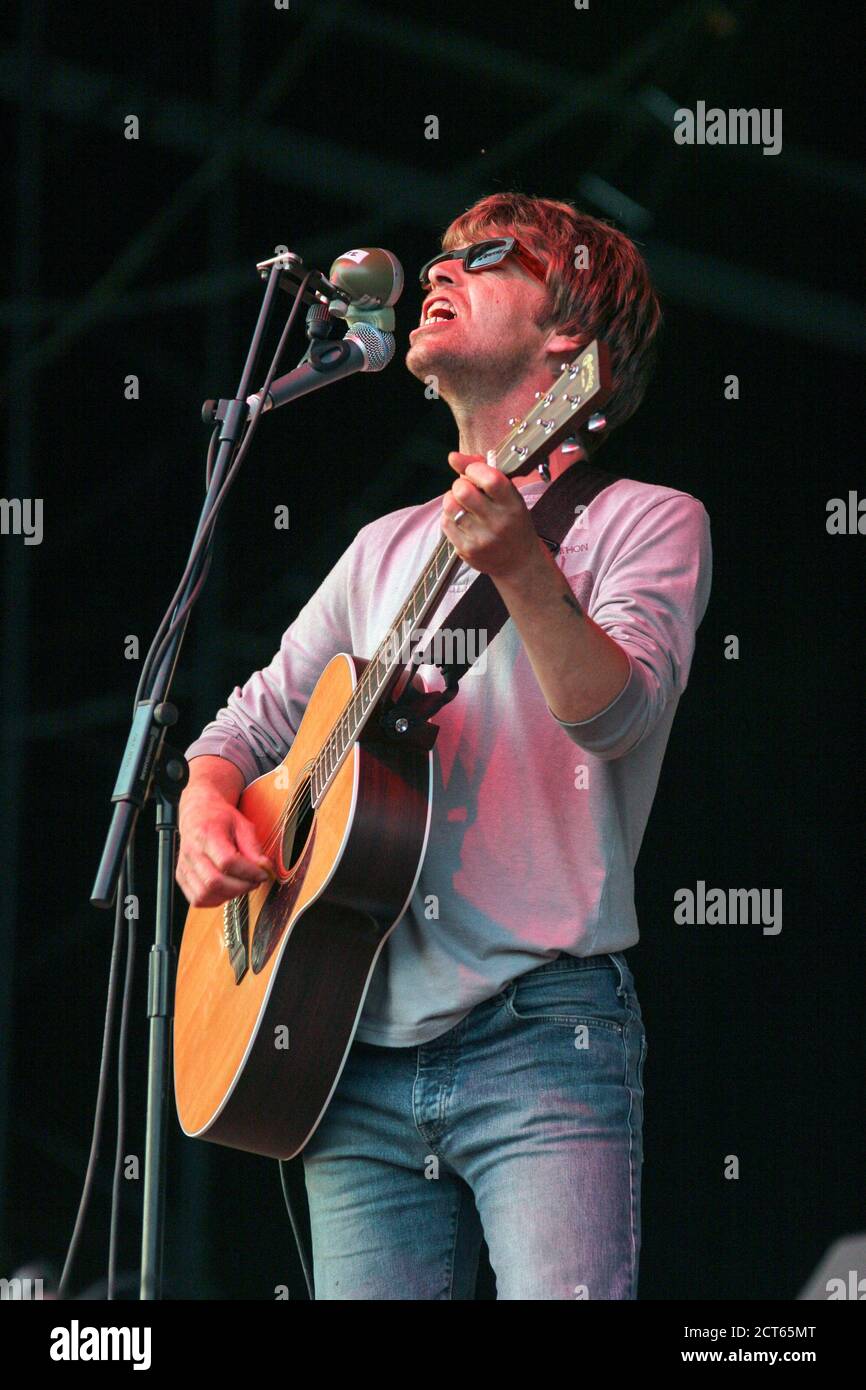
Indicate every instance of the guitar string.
{"type": "Point", "coordinates": [301, 801]}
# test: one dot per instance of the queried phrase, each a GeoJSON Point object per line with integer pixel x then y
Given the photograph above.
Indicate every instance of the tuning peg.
{"type": "Point", "coordinates": [571, 445]}
{"type": "Point", "coordinates": [596, 423]}
{"type": "Point", "coordinates": [544, 470]}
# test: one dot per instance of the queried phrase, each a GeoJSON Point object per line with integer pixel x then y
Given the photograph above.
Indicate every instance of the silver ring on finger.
{"type": "Point", "coordinates": [458, 515]}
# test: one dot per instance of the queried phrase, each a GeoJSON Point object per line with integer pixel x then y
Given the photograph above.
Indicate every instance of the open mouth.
{"type": "Point", "coordinates": [438, 311]}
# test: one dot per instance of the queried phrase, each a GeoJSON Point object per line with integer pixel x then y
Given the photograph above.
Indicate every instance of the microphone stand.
{"type": "Point", "coordinates": [152, 769]}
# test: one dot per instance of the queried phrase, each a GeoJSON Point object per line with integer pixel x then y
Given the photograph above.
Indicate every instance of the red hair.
{"type": "Point", "coordinates": [612, 299]}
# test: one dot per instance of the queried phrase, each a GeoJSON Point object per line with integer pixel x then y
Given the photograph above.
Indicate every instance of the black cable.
{"type": "Point", "coordinates": [102, 1087]}
{"type": "Point", "coordinates": [211, 450]}
{"type": "Point", "coordinates": [306, 1261]}
{"type": "Point", "coordinates": [122, 1047]}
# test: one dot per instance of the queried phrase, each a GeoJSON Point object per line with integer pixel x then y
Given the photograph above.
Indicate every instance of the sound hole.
{"type": "Point", "coordinates": [297, 828]}
{"type": "Point", "coordinates": [298, 840]}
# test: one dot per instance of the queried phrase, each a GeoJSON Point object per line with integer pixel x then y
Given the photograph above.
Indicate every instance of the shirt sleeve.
{"type": "Point", "coordinates": [651, 600]}
{"type": "Point", "coordinates": [258, 724]}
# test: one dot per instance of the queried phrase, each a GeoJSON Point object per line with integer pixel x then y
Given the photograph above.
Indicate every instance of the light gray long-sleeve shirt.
{"type": "Point", "coordinates": [536, 824]}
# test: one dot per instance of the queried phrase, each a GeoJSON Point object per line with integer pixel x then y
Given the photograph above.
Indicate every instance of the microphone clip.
{"type": "Point", "coordinates": [384, 319]}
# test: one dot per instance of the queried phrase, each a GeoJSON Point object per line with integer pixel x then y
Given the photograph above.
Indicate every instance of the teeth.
{"type": "Point", "coordinates": [439, 304]}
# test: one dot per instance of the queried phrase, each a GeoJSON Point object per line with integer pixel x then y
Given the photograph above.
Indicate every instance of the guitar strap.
{"type": "Point", "coordinates": [481, 609]}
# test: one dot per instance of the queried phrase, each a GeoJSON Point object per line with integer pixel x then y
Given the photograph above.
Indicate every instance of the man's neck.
{"type": "Point", "coordinates": [482, 425]}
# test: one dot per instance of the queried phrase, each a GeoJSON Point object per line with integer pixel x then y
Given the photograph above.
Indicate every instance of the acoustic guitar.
{"type": "Point", "coordinates": [270, 986]}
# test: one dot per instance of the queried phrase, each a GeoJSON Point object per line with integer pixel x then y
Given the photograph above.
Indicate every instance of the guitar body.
{"type": "Point", "coordinates": [270, 988]}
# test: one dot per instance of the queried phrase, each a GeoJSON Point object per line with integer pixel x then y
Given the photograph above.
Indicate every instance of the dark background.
{"type": "Point", "coordinates": [306, 127]}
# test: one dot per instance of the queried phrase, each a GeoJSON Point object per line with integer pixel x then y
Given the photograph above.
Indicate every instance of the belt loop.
{"type": "Point", "coordinates": [622, 988]}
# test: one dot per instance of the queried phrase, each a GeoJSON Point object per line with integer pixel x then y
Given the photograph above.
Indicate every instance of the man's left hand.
{"type": "Point", "coordinates": [496, 535]}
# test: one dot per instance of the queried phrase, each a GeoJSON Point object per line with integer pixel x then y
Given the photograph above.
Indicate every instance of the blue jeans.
{"type": "Point", "coordinates": [522, 1123]}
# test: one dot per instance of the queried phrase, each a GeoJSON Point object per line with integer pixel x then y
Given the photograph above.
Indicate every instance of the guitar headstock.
{"type": "Point", "coordinates": [578, 393]}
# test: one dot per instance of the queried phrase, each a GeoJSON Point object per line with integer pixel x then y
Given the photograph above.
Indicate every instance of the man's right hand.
{"type": "Point", "coordinates": [220, 855]}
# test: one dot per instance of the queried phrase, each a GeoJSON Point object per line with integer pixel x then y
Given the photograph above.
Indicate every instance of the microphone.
{"type": "Point", "coordinates": [364, 349]}
{"type": "Point", "coordinates": [364, 286]}
{"type": "Point", "coordinates": [371, 279]}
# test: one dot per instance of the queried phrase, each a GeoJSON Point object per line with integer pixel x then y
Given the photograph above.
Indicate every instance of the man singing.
{"type": "Point", "coordinates": [495, 1087]}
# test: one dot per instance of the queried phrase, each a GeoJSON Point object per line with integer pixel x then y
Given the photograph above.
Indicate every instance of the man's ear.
{"type": "Point", "coordinates": [563, 344]}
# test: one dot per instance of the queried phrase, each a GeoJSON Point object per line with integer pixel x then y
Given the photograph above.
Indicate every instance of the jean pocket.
{"type": "Point", "coordinates": [571, 996]}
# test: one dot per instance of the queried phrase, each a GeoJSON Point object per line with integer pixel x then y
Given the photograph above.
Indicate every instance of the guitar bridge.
{"type": "Point", "coordinates": [236, 933]}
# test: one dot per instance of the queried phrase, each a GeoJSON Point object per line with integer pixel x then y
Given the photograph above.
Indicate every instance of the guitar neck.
{"type": "Point", "coordinates": [389, 658]}
{"type": "Point", "coordinates": [579, 391]}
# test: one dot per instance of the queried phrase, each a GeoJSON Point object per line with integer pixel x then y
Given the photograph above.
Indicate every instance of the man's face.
{"type": "Point", "coordinates": [494, 343]}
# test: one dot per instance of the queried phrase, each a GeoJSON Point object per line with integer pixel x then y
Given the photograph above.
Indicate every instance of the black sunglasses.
{"type": "Point", "coordinates": [484, 254]}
